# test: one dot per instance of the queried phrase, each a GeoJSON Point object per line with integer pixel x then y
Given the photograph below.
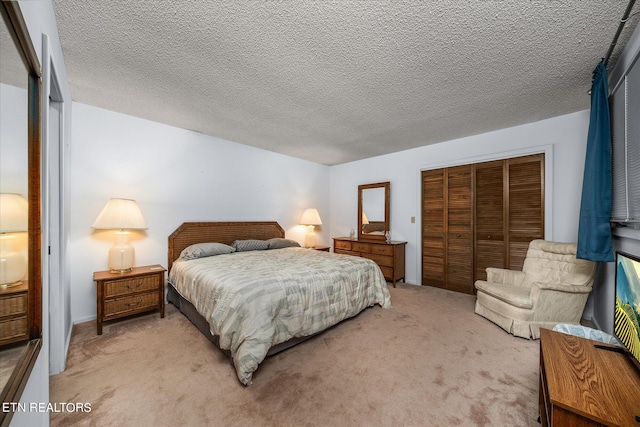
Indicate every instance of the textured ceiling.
{"type": "Point", "coordinates": [337, 81]}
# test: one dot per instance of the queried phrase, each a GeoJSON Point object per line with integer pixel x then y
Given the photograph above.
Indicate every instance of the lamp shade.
{"type": "Point", "coordinates": [365, 220]}
{"type": "Point", "coordinates": [310, 217]}
{"type": "Point", "coordinates": [13, 213]}
{"type": "Point", "coordinates": [120, 214]}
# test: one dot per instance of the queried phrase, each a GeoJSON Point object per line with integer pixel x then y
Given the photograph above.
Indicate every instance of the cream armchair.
{"type": "Point", "coordinates": [552, 288]}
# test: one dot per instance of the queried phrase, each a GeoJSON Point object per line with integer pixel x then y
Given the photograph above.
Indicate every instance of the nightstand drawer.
{"type": "Point", "coordinates": [122, 306]}
{"type": "Point", "coordinates": [340, 244]}
{"type": "Point", "coordinates": [382, 250]}
{"type": "Point", "coordinates": [114, 288]}
{"type": "Point", "coordinates": [16, 304]}
{"type": "Point", "coordinates": [13, 330]}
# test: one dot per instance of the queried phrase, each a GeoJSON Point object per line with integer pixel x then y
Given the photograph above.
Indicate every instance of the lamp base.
{"type": "Point", "coordinates": [121, 255]}
{"type": "Point", "coordinates": [13, 265]}
{"type": "Point", "coordinates": [310, 237]}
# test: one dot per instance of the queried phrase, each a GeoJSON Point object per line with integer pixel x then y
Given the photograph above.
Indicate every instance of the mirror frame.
{"type": "Point", "coordinates": [387, 191]}
{"type": "Point", "coordinates": [12, 16]}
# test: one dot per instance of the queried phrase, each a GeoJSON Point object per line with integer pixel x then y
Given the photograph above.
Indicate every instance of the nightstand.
{"type": "Point", "coordinates": [321, 248]}
{"type": "Point", "coordinates": [13, 314]}
{"type": "Point", "coordinates": [124, 294]}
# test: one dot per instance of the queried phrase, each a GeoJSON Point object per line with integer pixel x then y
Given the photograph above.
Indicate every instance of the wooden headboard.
{"type": "Point", "coordinates": [190, 233]}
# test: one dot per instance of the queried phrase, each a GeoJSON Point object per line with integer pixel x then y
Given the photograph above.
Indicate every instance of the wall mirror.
{"type": "Point", "coordinates": [373, 210]}
{"type": "Point", "coordinates": [20, 236]}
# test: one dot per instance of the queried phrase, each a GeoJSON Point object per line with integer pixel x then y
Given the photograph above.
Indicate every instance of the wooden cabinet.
{"type": "Point", "coordinates": [388, 255]}
{"type": "Point", "coordinates": [581, 385]}
{"type": "Point", "coordinates": [14, 326]}
{"type": "Point", "coordinates": [120, 295]}
{"type": "Point", "coordinates": [478, 216]}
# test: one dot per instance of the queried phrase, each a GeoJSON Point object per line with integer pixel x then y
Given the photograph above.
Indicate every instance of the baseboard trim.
{"type": "Point", "coordinates": [84, 319]}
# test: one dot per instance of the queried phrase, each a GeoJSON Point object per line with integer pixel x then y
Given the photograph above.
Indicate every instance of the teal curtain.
{"type": "Point", "coordinates": [594, 230]}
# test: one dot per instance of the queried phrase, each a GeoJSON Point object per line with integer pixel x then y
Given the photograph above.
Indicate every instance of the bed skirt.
{"type": "Point", "coordinates": [201, 323]}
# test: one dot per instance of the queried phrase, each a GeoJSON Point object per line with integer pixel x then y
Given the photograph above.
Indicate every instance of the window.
{"type": "Point", "coordinates": [625, 129]}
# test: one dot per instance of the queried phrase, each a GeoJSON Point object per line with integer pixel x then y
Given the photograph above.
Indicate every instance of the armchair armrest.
{"type": "Point", "coordinates": [562, 288]}
{"type": "Point", "coordinates": [504, 276]}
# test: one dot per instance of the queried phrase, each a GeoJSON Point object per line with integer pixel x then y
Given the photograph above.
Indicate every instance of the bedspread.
{"type": "Point", "coordinates": [255, 300]}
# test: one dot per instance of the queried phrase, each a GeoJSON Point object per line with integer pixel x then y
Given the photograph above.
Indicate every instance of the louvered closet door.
{"type": "Point", "coordinates": [433, 227]}
{"type": "Point", "coordinates": [459, 242]}
{"type": "Point", "coordinates": [526, 206]}
{"type": "Point", "coordinates": [479, 216]}
{"type": "Point", "coordinates": [490, 213]}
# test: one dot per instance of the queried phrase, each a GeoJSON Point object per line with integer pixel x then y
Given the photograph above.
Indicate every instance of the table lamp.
{"type": "Point", "coordinates": [13, 219]}
{"type": "Point", "coordinates": [310, 218]}
{"type": "Point", "coordinates": [121, 215]}
{"type": "Point", "coordinates": [365, 220]}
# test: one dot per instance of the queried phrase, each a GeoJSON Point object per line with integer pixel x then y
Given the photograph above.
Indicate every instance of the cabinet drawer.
{"type": "Point", "coordinates": [341, 244]}
{"type": "Point", "coordinates": [381, 260]}
{"type": "Point", "coordinates": [339, 251]}
{"type": "Point", "coordinates": [16, 304]}
{"type": "Point", "coordinates": [135, 303]}
{"type": "Point", "coordinates": [382, 249]}
{"type": "Point", "coordinates": [13, 329]}
{"type": "Point", "coordinates": [114, 288]}
{"type": "Point", "coordinates": [387, 272]}
{"type": "Point", "coordinates": [362, 247]}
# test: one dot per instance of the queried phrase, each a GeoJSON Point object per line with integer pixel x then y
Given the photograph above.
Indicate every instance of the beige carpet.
{"type": "Point", "coordinates": [430, 361]}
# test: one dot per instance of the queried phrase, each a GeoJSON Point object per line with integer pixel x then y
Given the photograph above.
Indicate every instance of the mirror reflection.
{"type": "Point", "coordinates": [373, 210]}
{"type": "Point", "coordinates": [14, 333]}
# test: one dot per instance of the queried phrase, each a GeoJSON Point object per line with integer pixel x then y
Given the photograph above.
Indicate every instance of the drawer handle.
{"type": "Point", "coordinates": [133, 287]}
{"type": "Point", "coordinates": [128, 304]}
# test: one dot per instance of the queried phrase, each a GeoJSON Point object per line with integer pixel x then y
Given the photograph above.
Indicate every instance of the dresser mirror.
{"type": "Point", "coordinates": [20, 270]}
{"type": "Point", "coordinates": [373, 211]}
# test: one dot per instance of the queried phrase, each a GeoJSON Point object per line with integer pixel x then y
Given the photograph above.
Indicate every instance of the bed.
{"type": "Point", "coordinates": [266, 293]}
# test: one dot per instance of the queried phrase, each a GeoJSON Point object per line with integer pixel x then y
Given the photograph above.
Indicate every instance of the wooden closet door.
{"type": "Point", "coordinates": [526, 206]}
{"type": "Point", "coordinates": [479, 216]}
{"type": "Point", "coordinates": [459, 243]}
{"type": "Point", "coordinates": [433, 227]}
{"type": "Point", "coordinates": [490, 213]}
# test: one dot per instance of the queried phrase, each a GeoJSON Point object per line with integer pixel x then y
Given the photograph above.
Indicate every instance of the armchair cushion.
{"type": "Point", "coordinates": [514, 295]}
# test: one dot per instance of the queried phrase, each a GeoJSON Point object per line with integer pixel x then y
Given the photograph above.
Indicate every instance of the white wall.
{"type": "Point", "coordinates": [563, 137]}
{"type": "Point", "coordinates": [175, 175]}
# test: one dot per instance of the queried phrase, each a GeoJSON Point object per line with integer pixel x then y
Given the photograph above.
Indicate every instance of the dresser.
{"type": "Point", "coordinates": [124, 294]}
{"type": "Point", "coordinates": [388, 255]}
{"type": "Point", "coordinates": [582, 385]}
{"type": "Point", "coordinates": [14, 326]}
